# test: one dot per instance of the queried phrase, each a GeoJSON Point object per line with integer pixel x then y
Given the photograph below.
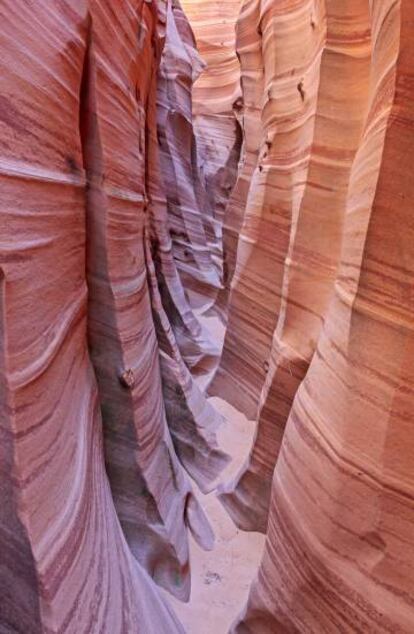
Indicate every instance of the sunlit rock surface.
{"type": "Point", "coordinates": [289, 87]}
{"type": "Point", "coordinates": [340, 526]}
{"type": "Point", "coordinates": [150, 192]}
{"type": "Point", "coordinates": [331, 125]}
{"type": "Point", "coordinates": [217, 103]}
{"type": "Point", "coordinates": [248, 112]}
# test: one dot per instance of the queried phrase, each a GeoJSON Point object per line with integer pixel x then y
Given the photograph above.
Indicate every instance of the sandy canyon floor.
{"type": "Point", "coordinates": [221, 577]}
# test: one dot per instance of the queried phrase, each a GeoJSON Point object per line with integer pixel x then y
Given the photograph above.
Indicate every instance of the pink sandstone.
{"type": "Point", "coordinates": [264, 179]}
{"type": "Point", "coordinates": [340, 525]}
{"type": "Point", "coordinates": [216, 104]}
{"type": "Point", "coordinates": [76, 299]}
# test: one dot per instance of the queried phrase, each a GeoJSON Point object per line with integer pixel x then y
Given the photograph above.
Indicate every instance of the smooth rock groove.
{"type": "Point", "coordinates": [145, 190]}
{"type": "Point", "coordinates": [216, 106]}
{"type": "Point", "coordinates": [92, 480]}
{"type": "Point", "coordinates": [320, 333]}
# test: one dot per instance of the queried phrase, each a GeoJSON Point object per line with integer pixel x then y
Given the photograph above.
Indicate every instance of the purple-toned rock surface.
{"type": "Point", "coordinates": [122, 240]}
{"type": "Point", "coordinates": [91, 482]}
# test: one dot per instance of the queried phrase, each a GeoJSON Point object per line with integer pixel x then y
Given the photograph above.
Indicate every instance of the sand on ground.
{"type": "Point", "coordinates": [221, 578]}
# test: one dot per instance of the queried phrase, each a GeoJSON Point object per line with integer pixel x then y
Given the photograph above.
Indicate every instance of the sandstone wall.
{"type": "Point", "coordinates": [216, 106]}
{"type": "Point", "coordinates": [342, 118]}
{"type": "Point", "coordinates": [98, 342]}
{"type": "Point", "coordinates": [335, 407]}
{"type": "Point", "coordinates": [121, 221]}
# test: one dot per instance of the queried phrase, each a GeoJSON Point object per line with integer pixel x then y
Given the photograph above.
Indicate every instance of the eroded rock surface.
{"type": "Point", "coordinates": [217, 102]}
{"type": "Point", "coordinates": [92, 481]}
{"type": "Point", "coordinates": [285, 209]}
{"type": "Point", "coordinates": [341, 515]}
{"type": "Point", "coordinates": [333, 127]}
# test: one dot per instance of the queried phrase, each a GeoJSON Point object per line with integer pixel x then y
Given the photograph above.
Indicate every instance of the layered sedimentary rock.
{"type": "Point", "coordinates": [290, 88]}
{"type": "Point", "coordinates": [174, 189]}
{"type": "Point", "coordinates": [119, 224]}
{"type": "Point", "coordinates": [340, 534]}
{"type": "Point", "coordinates": [176, 221]}
{"type": "Point", "coordinates": [216, 105]}
{"type": "Point", "coordinates": [151, 492]}
{"type": "Point", "coordinates": [248, 111]}
{"type": "Point", "coordinates": [188, 227]}
{"type": "Point", "coordinates": [90, 478]}
{"type": "Point", "coordinates": [336, 116]}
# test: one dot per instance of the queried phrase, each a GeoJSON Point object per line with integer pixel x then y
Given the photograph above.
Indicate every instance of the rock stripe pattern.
{"type": "Point", "coordinates": [90, 479]}
{"type": "Point", "coordinates": [65, 563]}
{"type": "Point", "coordinates": [339, 544]}
{"type": "Point", "coordinates": [342, 116]}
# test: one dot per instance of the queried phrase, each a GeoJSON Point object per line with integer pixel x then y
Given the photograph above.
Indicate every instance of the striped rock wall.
{"type": "Point", "coordinates": [120, 222]}
{"type": "Point", "coordinates": [190, 226]}
{"type": "Point", "coordinates": [249, 52]}
{"type": "Point", "coordinates": [288, 106]}
{"type": "Point", "coordinates": [335, 417]}
{"type": "Point", "coordinates": [217, 102]}
{"type": "Point", "coordinates": [175, 190]}
{"type": "Point", "coordinates": [151, 491]}
{"type": "Point", "coordinates": [94, 497]}
{"type": "Point", "coordinates": [342, 120]}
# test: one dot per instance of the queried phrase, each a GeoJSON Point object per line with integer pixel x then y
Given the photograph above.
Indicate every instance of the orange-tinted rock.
{"type": "Point", "coordinates": [340, 533]}
{"type": "Point", "coordinates": [216, 104]}
{"type": "Point", "coordinates": [290, 89]}
{"type": "Point", "coordinates": [248, 111]}
{"type": "Point", "coordinates": [151, 492]}
{"type": "Point", "coordinates": [89, 283]}
{"type": "Point", "coordinates": [120, 226]}
{"type": "Point", "coordinates": [340, 112]}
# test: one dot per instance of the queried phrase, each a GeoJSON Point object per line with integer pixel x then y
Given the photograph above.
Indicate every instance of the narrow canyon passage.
{"type": "Point", "coordinates": [206, 317]}
{"type": "Point", "coordinates": [222, 577]}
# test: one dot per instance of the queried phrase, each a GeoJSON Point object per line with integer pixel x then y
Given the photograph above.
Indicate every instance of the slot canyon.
{"type": "Point", "coordinates": [207, 317]}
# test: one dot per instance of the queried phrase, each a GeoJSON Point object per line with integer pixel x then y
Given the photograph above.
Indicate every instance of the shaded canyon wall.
{"type": "Point", "coordinates": [264, 178]}
{"type": "Point", "coordinates": [217, 103]}
{"type": "Point", "coordinates": [101, 414]}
